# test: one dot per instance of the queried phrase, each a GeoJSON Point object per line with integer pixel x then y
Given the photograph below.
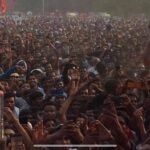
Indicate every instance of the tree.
{"type": "Point", "coordinates": [117, 7]}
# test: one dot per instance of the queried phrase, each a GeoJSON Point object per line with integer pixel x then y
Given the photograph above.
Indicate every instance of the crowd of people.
{"type": "Point", "coordinates": [75, 80]}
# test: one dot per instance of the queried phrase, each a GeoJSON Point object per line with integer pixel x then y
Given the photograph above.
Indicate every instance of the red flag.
{"type": "Point", "coordinates": [3, 6]}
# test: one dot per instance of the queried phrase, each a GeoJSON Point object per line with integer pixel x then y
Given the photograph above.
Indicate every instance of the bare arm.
{"type": "Point", "coordinates": [27, 140]}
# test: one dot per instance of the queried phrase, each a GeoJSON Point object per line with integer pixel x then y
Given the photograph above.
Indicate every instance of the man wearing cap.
{"type": "Point", "coordinates": [59, 99]}
{"type": "Point", "coordinates": [33, 81]}
{"type": "Point", "coordinates": [38, 73]}
{"type": "Point", "coordinates": [11, 70]}
{"type": "Point", "coordinates": [7, 73]}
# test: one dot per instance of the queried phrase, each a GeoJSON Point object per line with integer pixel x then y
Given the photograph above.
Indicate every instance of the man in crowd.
{"type": "Point", "coordinates": [80, 81]}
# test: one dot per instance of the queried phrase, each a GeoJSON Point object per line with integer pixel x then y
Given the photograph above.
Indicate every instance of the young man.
{"type": "Point", "coordinates": [9, 101]}
{"type": "Point", "coordinates": [34, 84]}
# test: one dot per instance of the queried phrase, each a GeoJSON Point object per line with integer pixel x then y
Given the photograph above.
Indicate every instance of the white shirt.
{"type": "Point", "coordinates": [16, 111]}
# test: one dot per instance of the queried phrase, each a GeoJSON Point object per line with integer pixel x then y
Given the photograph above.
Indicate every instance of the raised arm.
{"type": "Point", "coordinates": [10, 116]}
{"type": "Point", "coordinates": [73, 89]}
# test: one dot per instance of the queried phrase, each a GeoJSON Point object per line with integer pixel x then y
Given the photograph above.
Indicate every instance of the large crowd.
{"type": "Point", "coordinates": [75, 80]}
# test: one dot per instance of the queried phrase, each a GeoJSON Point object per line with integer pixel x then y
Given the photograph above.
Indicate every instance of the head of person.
{"type": "Point", "coordinates": [9, 100]}
{"type": "Point", "coordinates": [25, 87]}
{"type": "Point", "coordinates": [134, 99]}
{"type": "Point", "coordinates": [92, 91]}
{"type": "Point", "coordinates": [113, 87]}
{"type": "Point", "coordinates": [44, 60]}
{"type": "Point", "coordinates": [25, 116]}
{"type": "Point", "coordinates": [37, 45]}
{"type": "Point", "coordinates": [60, 99]}
{"type": "Point", "coordinates": [85, 92]}
{"type": "Point", "coordinates": [84, 73]}
{"type": "Point", "coordinates": [5, 85]}
{"type": "Point", "coordinates": [53, 76]}
{"type": "Point", "coordinates": [35, 99]}
{"type": "Point", "coordinates": [49, 125]}
{"type": "Point", "coordinates": [33, 81]}
{"type": "Point", "coordinates": [14, 77]}
{"type": "Point", "coordinates": [141, 67]}
{"type": "Point", "coordinates": [81, 121]}
{"type": "Point", "coordinates": [38, 73]}
{"type": "Point", "coordinates": [48, 68]}
{"type": "Point", "coordinates": [59, 84]}
{"type": "Point", "coordinates": [49, 112]}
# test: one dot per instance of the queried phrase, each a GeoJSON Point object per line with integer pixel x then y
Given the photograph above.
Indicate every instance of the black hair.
{"type": "Point", "coordinates": [132, 94]}
{"type": "Point", "coordinates": [9, 94]}
{"type": "Point", "coordinates": [34, 95]}
{"type": "Point", "coordinates": [117, 67]}
{"type": "Point", "coordinates": [111, 86]}
{"type": "Point", "coordinates": [24, 116]}
{"type": "Point", "coordinates": [25, 112]}
{"type": "Point", "coordinates": [29, 75]}
{"type": "Point", "coordinates": [48, 103]}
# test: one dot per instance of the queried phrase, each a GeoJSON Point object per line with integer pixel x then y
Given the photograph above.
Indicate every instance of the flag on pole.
{"type": "Point", "coordinates": [3, 6]}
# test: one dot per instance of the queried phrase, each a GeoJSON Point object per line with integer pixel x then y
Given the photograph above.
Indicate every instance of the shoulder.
{"type": "Point", "coordinates": [16, 109]}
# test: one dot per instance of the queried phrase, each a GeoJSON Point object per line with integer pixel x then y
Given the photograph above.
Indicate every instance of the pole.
{"type": "Point", "coordinates": [43, 4]}
{"type": "Point", "coordinates": [1, 116]}
{"type": "Point", "coordinates": [2, 137]}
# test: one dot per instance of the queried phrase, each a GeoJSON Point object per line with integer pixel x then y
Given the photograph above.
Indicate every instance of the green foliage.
{"type": "Point", "coordinates": [117, 7]}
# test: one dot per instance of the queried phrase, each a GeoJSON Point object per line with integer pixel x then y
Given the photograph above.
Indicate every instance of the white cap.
{"type": "Point", "coordinates": [37, 70]}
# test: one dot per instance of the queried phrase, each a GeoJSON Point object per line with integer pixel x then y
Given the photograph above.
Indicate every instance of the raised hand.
{"type": "Point", "coordinates": [96, 127]}
{"type": "Point", "coordinates": [126, 99]}
{"type": "Point", "coordinates": [39, 133]}
{"type": "Point", "coordinates": [74, 84]}
{"type": "Point", "coordinates": [97, 133]}
{"type": "Point", "coordinates": [113, 124]}
{"type": "Point", "coordinates": [9, 114]}
{"type": "Point", "coordinates": [73, 131]}
{"type": "Point", "coordinates": [138, 115]}
{"type": "Point", "coordinates": [11, 117]}
{"type": "Point", "coordinates": [14, 146]}
{"type": "Point", "coordinates": [74, 74]}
